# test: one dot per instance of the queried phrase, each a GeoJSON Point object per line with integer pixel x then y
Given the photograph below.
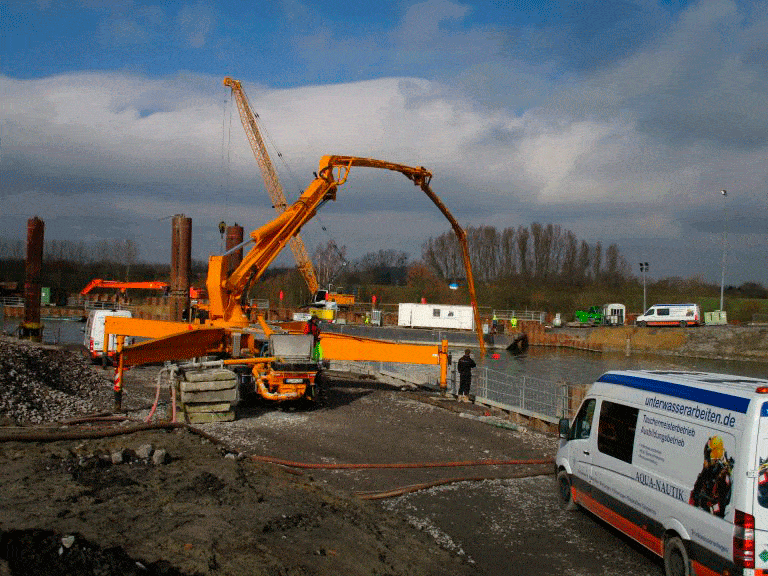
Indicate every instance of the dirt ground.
{"type": "Point", "coordinates": [109, 505]}
{"type": "Point", "coordinates": [88, 498]}
{"type": "Point", "coordinates": [69, 507]}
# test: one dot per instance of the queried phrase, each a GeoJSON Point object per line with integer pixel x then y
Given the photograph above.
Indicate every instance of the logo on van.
{"type": "Point", "coordinates": [706, 414]}
{"type": "Point", "coordinates": [712, 489]}
{"type": "Point", "coordinates": [660, 486]}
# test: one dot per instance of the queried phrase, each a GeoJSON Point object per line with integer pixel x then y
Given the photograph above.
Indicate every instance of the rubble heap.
{"type": "Point", "coordinates": [44, 384]}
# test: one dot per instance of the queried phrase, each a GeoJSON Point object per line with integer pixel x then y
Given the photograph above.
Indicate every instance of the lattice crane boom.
{"type": "Point", "coordinates": [271, 181]}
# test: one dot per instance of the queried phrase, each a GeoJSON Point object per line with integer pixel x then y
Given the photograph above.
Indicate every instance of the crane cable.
{"type": "Point", "coordinates": [226, 156]}
{"type": "Point", "coordinates": [295, 181]}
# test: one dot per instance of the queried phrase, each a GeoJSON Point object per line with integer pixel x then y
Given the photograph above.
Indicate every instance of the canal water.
{"type": "Point", "coordinates": [54, 331]}
{"type": "Point", "coordinates": [583, 367]}
{"type": "Point", "coordinates": [550, 364]}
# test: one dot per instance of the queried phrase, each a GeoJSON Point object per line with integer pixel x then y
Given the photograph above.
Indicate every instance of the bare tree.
{"type": "Point", "coordinates": [483, 243]}
{"type": "Point", "coordinates": [383, 267]}
{"type": "Point", "coordinates": [443, 255]}
{"type": "Point", "coordinates": [582, 263]}
{"type": "Point", "coordinates": [508, 253]}
{"type": "Point", "coordinates": [329, 261]}
{"type": "Point", "coordinates": [597, 264]}
{"type": "Point", "coordinates": [523, 236]}
{"type": "Point", "coordinates": [568, 271]}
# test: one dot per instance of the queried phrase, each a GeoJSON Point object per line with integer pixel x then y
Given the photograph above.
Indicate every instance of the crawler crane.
{"type": "Point", "coordinates": [228, 331]}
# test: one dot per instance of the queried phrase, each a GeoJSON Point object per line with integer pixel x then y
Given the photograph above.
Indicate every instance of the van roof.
{"type": "Point", "coordinates": [110, 312]}
{"type": "Point", "coordinates": [723, 390]}
{"type": "Point", "coordinates": [656, 305]}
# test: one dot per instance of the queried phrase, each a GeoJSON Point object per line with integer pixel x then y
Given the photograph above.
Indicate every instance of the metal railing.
{"type": "Point", "coordinates": [546, 400]}
{"type": "Point", "coordinates": [522, 315]}
{"type": "Point", "coordinates": [534, 397]}
{"type": "Point", "coordinates": [94, 305]}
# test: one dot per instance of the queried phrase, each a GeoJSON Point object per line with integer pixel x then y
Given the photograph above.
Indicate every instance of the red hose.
{"type": "Point", "coordinates": [426, 485]}
{"type": "Point", "coordinates": [343, 466]}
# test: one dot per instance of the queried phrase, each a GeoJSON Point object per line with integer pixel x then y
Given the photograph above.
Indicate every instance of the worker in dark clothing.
{"type": "Point", "coordinates": [313, 327]}
{"type": "Point", "coordinates": [465, 366]}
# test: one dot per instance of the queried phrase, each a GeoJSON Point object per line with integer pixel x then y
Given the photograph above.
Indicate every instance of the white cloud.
{"type": "Point", "coordinates": [635, 151]}
{"type": "Point", "coordinates": [195, 23]}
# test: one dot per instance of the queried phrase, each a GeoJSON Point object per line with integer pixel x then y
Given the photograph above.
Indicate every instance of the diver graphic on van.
{"type": "Point", "coordinates": [712, 489]}
{"type": "Point", "coordinates": [762, 483]}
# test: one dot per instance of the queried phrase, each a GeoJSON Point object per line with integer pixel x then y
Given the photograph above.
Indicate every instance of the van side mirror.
{"type": "Point", "coordinates": [564, 427]}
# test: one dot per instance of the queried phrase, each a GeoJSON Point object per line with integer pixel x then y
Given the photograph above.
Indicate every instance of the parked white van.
{"type": "Point", "coordinates": [670, 315]}
{"type": "Point", "coordinates": [93, 337]}
{"type": "Point", "coordinates": [678, 461]}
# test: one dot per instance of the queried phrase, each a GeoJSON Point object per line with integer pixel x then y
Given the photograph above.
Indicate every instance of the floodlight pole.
{"type": "Point", "coordinates": [644, 269]}
{"type": "Point", "coordinates": [725, 246]}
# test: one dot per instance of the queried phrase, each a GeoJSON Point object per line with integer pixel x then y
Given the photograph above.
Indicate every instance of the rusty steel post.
{"type": "Point", "coordinates": [234, 238]}
{"type": "Point", "coordinates": [181, 261]}
{"type": "Point", "coordinates": [31, 328]}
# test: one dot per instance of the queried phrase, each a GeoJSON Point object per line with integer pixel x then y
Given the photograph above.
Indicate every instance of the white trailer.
{"type": "Point", "coordinates": [436, 316]}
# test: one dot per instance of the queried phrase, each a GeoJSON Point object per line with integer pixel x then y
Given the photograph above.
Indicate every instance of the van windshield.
{"type": "Point", "coordinates": [649, 312]}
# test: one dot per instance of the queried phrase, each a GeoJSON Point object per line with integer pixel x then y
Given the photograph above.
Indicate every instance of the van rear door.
{"type": "Point", "coordinates": [760, 508]}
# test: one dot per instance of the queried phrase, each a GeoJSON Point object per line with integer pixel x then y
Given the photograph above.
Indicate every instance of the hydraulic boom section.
{"type": "Point", "coordinates": [225, 293]}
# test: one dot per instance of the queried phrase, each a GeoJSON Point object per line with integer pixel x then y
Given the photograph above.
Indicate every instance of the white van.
{"type": "Point", "coordinates": [93, 337]}
{"type": "Point", "coordinates": [670, 315]}
{"type": "Point", "coordinates": [678, 461]}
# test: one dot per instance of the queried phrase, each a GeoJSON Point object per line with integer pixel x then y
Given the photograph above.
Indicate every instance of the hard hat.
{"type": "Point", "coordinates": [716, 448]}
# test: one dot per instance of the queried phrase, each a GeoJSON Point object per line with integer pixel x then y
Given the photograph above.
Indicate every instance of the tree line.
{"type": "Point", "coordinates": [541, 253]}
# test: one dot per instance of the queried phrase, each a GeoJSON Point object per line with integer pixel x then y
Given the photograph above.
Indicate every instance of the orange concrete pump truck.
{"type": "Point", "coordinates": [279, 362]}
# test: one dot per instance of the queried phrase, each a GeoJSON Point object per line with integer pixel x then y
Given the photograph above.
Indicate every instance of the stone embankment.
{"type": "Point", "coordinates": [716, 342]}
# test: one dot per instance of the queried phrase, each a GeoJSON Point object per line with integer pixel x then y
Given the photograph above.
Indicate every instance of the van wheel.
{"type": "Point", "coordinates": [641, 324]}
{"type": "Point", "coordinates": [676, 561]}
{"type": "Point", "coordinates": [564, 491]}
{"type": "Point", "coordinates": [683, 324]}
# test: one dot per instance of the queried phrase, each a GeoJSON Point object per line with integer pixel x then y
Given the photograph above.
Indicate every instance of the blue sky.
{"type": "Point", "coordinates": [621, 121]}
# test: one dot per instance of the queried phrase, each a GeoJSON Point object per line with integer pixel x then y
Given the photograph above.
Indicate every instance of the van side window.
{"type": "Point", "coordinates": [663, 311]}
{"type": "Point", "coordinates": [616, 430]}
{"type": "Point", "coordinates": [582, 424]}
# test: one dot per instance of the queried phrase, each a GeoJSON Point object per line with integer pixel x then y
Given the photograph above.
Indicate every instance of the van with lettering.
{"type": "Point", "coordinates": [678, 461]}
{"type": "Point", "coordinates": [682, 315]}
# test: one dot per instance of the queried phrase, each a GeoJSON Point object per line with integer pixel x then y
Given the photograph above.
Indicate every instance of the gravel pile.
{"type": "Point", "coordinates": [45, 384]}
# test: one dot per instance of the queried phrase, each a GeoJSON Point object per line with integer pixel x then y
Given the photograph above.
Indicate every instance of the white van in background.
{"type": "Point", "coordinates": [671, 315]}
{"type": "Point", "coordinates": [678, 461]}
{"type": "Point", "coordinates": [93, 337]}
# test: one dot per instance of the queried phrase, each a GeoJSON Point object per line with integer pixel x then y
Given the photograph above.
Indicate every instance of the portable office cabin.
{"type": "Point", "coordinates": [614, 314]}
{"type": "Point", "coordinates": [435, 316]}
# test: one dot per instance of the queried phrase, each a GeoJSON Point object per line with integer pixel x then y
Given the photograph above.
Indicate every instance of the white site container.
{"type": "Point", "coordinates": [436, 316]}
{"type": "Point", "coordinates": [614, 314]}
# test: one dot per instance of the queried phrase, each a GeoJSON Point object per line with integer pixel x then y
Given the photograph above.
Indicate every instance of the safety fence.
{"type": "Point", "coordinates": [521, 315]}
{"type": "Point", "coordinates": [532, 397]}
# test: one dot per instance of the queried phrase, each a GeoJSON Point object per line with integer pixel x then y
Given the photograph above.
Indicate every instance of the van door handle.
{"type": "Point", "coordinates": [586, 452]}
